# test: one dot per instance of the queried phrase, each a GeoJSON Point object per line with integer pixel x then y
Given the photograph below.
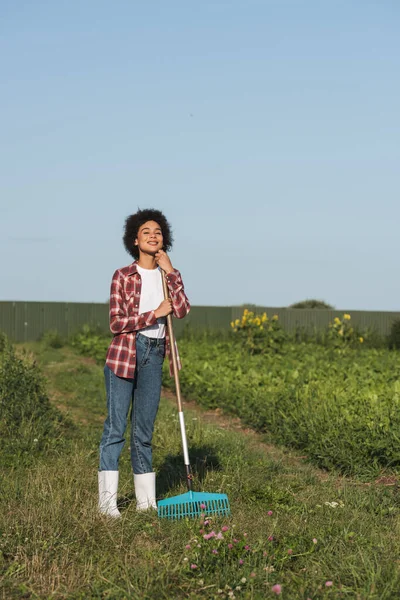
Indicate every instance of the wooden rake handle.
{"type": "Point", "coordinates": [173, 347]}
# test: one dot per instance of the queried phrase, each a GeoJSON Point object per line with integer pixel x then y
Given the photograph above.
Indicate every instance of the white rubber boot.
{"type": "Point", "coordinates": [145, 491]}
{"type": "Point", "coordinates": [108, 489]}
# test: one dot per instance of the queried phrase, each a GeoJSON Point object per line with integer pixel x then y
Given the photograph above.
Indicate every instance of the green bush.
{"type": "Point", "coordinates": [52, 339]}
{"type": "Point", "coordinates": [342, 333]}
{"type": "Point", "coordinates": [312, 303]}
{"type": "Point", "coordinates": [29, 424]}
{"type": "Point", "coordinates": [258, 333]}
{"type": "Point", "coordinates": [91, 343]}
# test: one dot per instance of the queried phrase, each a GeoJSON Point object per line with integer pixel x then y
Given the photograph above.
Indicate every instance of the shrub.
{"type": "Point", "coordinates": [342, 333]}
{"type": "Point", "coordinates": [258, 333]}
{"type": "Point", "coordinates": [29, 424]}
{"type": "Point", "coordinates": [52, 339]}
{"type": "Point", "coordinates": [92, 343]}
{"type": "Point", "coordinates": [312, 303]}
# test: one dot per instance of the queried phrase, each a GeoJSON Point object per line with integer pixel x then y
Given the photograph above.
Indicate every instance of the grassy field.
{"type": "Point", "coordinates": [295, 531]}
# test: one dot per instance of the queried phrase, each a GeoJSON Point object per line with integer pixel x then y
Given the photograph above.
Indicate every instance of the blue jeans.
{"type": "Point", "coordinates": [143, 393]}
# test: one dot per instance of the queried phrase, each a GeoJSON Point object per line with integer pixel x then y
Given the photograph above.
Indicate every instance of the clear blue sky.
{"type": "Point", "coordinates": [268, 132]}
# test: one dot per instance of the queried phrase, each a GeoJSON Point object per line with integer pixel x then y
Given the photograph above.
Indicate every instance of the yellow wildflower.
{"type": "Point", "coordinates": [237, 322]}
{"type": "Point", "coordinates": [245, 312]}
{"type": "Point", "coordinates": [264, 318]}
{"type": "Point", "coordinates": [340, 332]}
{"type": "Point", "coordinates": [361, 340]}
{"type": "Point", "coordinates": [275, 318]}
{"type": "Point", "coordinates": [337, 320]}
{"type": "Point", "coordinates": [347, 317]}
{"type": "Point", "coordinates": [232, 324]}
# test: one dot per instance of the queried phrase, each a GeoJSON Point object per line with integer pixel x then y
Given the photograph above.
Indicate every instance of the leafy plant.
{"type": "Point", "coordinates": [258, 333]}
{"type": "Point", "coordinates": [29, 424]}
{"type": "Point", "coordinates": [52, 339]}
{"type": "Point", "coordinates": [91, 343]}
{"type": "Point", "coordinates": [342, 333]}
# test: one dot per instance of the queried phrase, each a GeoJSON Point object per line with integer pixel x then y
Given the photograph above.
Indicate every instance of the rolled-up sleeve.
{"type": "Point", "coordinates": [180, 302]}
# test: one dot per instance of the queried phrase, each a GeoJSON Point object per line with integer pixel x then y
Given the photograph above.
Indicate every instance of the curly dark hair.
{"type": "Point", "coordinates": [134, 222]}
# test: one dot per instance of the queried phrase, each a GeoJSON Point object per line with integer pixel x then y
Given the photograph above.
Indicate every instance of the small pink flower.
{"type": "Point", "coordinates": [247, 547]}
{"type": "Point", "coordinates": [245, 535]}
{"type": "Point", "coordinates": [277, 589]}
{"type": "Point", "coordinates": [290, 551]}
{"type": "Point", "coordinates": [315, 541]}
{"type": "Point", "coordinates": [201, 531]}
{"type": "Point", "coordinates": [230, 546]}
{"type": "Point", "coordinates": [193, 566]}
{"type": "Point", "coordinates": [270, 513]}
{"type": "Point", "coordinates": [235, 541]}
{"type": "Point", "coordinates": [203, 506]}
{"type": "Point", "coordinates": [219, 536]}
{"type": "Point", "coordinates": [252, 574]}
{"type": "Point", "coordinates": [208, 536]}
{"type": "Point", "coordinates": [241, 561]}
{"type": "Point", "coordinates": [206, 522]}
{"type": "Point", "coordinates": [329, 583]}
{"type": "Point", "coordinates": [265, 553]}
{"type": "Point", "coordinates": [215, 551]}
{"type": "Point", "coordinates": [271, 538]}
{"type": "Point", "coordinates": [187, 546]}
{"type": "Point", "coordinates": [224, 528]}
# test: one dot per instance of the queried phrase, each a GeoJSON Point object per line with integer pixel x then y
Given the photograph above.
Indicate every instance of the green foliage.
{"type": "Point", "coordinates": [29, 425]}
{"type": "Point", "coordinates": [52, 339]}
{"type": "Point", "coordinates": [341, 406]}
{"type": "Point", "coordinates": [257, 333]}
{"type": "Point", "coordinates": [311, 303]}
{"type": "Point", "coordinates": [394, 336]}
{"type": "Point", "coordinates": [91, 343]}
{"type": "Point", "coordinates": [341, 332]}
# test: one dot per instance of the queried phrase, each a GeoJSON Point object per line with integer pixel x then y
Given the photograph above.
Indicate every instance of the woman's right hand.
{"type": "Point", "coordinates": [164, 309]}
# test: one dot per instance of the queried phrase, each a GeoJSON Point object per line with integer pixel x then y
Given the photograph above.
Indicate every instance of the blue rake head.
{"type": "Point", "coordinates": [194, 504]}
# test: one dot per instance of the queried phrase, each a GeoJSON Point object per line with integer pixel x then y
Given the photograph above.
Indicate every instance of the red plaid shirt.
{"type": "Point", "coordinates": [125, 320]}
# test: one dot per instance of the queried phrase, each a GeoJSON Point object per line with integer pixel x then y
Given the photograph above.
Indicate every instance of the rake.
{"type": "Point", "coordinates": [191, 504]}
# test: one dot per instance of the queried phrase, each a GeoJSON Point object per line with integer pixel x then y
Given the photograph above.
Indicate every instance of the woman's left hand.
{"type": "Point", "coordinates": [163, 261]}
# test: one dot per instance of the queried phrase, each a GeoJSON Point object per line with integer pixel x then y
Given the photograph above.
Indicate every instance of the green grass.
{"type": "Point", "coordinates": [54, 544]}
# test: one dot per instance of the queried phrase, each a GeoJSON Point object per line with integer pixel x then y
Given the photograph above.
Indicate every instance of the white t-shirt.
{"type": "Point", "coordinates": [151, 297]}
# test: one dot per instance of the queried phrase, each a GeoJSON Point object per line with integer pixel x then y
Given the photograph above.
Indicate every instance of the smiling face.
{"type": "Point", "coordinates": [149, 238]}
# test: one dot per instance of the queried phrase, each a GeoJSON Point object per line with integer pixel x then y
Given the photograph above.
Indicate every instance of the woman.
{"type": "Point", "coordinates": [135, 356]}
